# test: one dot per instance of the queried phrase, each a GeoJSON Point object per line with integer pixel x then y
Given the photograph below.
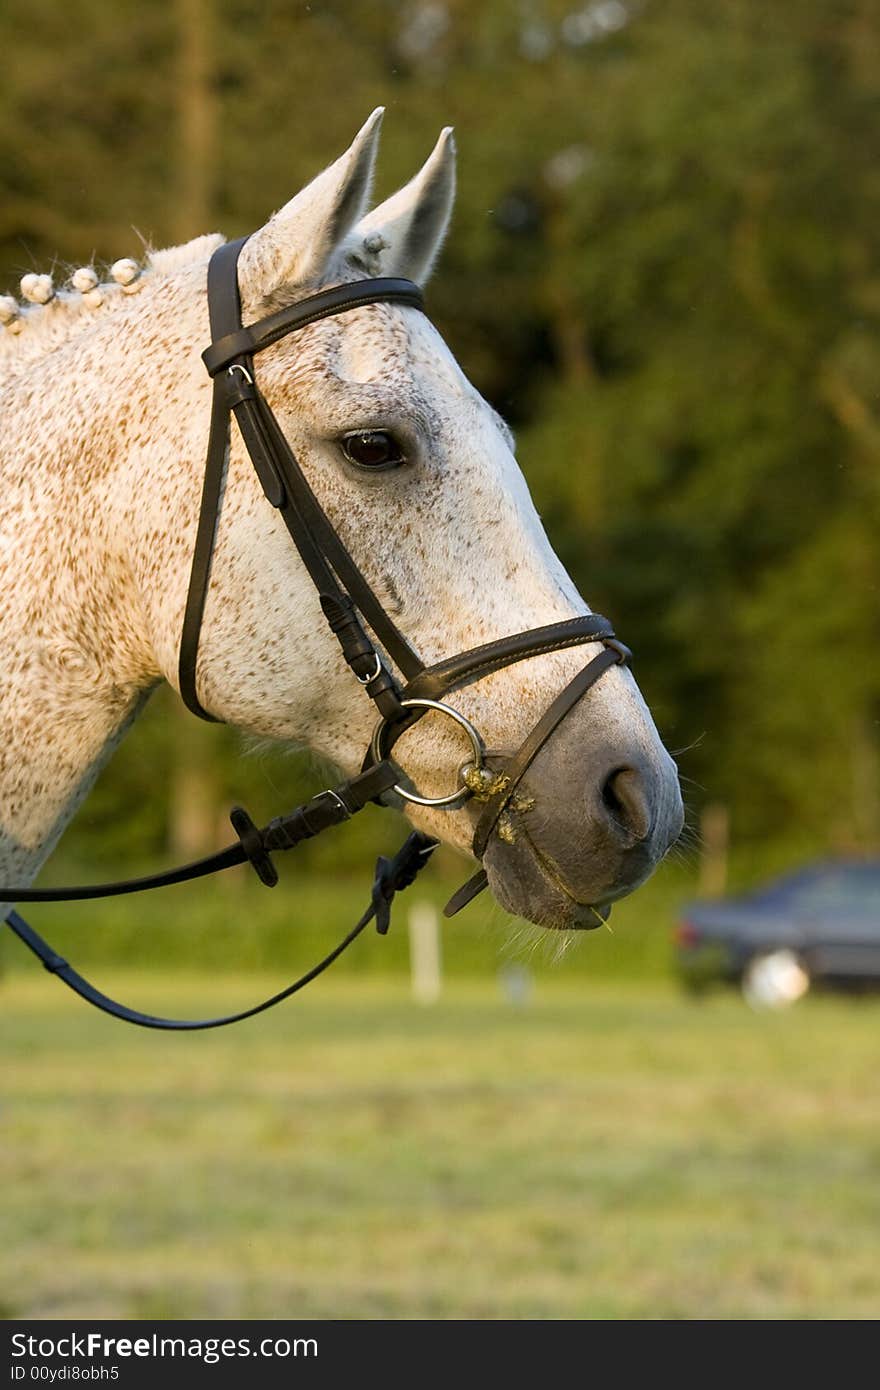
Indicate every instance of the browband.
{"type": "Point", "coordinates": [244, 342]}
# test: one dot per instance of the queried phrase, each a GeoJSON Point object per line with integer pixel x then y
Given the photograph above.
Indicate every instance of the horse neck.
{"type": "Point", "coordinates": [92, 448]}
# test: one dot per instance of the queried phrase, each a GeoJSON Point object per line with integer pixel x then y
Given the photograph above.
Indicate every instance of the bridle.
{"type": "Point", "coordinates": [353, 612]}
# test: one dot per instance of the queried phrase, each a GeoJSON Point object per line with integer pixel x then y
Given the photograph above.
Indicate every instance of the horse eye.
{"type": "Point", "coordinates": [372, 449]}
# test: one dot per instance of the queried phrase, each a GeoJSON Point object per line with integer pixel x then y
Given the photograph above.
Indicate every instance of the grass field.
{"type": "Point", "coordinates": [607, 1151]}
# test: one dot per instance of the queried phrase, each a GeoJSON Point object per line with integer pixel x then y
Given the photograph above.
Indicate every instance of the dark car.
{"type": "Point", "coordinates": [821, 924]}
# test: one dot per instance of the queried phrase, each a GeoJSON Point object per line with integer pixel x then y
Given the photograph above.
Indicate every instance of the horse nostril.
{"type": "Point", "coordinates": [625, 798]}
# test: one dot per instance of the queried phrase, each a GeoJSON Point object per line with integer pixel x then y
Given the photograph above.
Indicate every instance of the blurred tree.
{"type": "Point", "coordinates": [663, 270]}
{"type": "Point", "coordinates": [192, 792]}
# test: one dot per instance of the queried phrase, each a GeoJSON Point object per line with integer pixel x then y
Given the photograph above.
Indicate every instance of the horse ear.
{"type": "Point", "coordinates": [403, 235]}
{"type": "Point", "coordinates": [295, 245]}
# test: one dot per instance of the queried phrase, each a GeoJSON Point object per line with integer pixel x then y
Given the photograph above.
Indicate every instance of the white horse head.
{"type": "Point", "coordinates": [109, 404]}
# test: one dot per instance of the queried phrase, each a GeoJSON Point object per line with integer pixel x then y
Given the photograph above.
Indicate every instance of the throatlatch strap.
{"type": "Point", "coordinates": [203, 550]}
{"type": "Point", "coordinates": [223, 309]}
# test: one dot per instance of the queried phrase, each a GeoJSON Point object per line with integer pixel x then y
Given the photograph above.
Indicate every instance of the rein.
{"type": "Point", "coordinates": [350, 608]}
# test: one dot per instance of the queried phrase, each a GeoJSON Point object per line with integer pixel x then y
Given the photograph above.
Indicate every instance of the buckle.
{"type": "Point", "coordinates": [333, 801]}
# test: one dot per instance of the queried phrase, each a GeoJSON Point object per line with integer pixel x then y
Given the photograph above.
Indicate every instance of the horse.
{"type": "Point", "coordinates": [105, 412]}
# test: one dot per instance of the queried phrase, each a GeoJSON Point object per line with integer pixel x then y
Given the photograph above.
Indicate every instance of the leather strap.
{"type": "Point", "coordinates": [528, 751]}
{"type": "Point", "coordinates": [467, 667]}
{"type": "Point", "coordinates": [466, 893]}
{"type": "Point", "coordinates": [392, 875]}
{"type": "Point", "coordinates": [229, 360]}
{"type": "Point", "coordinates": [327, 809]}
{"type": "Point", "coordinates": [223, 308]}
{"type": "Point", "coordinates": [312, 532]}
{"type": "Point", "coordinates": [615, 653]}
{"type": "Point", "coordinates": [231, 344]}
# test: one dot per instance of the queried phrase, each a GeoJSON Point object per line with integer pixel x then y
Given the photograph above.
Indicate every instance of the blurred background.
{"type": "Point", "coordinates": [664, 270]}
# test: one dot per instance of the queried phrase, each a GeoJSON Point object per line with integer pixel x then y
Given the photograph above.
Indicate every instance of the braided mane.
{"type": "Point", "coordinates": [48, 317]}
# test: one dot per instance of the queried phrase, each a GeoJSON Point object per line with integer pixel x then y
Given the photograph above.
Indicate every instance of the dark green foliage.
{"type": "Point", "coordinates": [664, 270]}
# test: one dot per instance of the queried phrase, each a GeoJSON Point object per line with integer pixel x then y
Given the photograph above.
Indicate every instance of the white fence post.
{"type": "Point", "coordinates": [424, 953]}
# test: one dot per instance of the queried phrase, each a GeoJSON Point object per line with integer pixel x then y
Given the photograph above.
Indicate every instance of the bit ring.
{"type": "Point", "coordinates": [377, 750]}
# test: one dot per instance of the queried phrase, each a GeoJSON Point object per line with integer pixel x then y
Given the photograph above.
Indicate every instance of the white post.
{"type": "Point", "coordinates": [715, 837]}
{"type": "Point", "coordinates": [424, 953]}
